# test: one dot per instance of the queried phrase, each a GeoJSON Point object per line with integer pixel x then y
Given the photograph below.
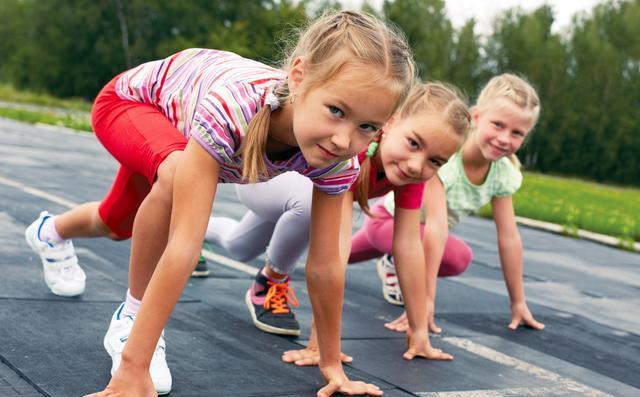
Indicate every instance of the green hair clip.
{"type": "Point", "coordinates": [371, 150]}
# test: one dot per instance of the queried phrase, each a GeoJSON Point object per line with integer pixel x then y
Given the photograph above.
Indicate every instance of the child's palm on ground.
{"type": "Point", "coordinates": [419, 346]}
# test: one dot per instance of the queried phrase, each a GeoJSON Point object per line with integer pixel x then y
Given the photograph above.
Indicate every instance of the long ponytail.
{"type": "Point", "coordinates": [254, 147]}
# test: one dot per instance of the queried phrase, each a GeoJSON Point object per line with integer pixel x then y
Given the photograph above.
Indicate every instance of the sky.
{"type": "Point", "coordinates": [459, 11]}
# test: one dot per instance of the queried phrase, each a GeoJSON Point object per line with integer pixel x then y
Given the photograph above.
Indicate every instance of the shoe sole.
{"type": "Point", "coordinates": [382, 274]}
{"type": "Point", "coordinates": [111, 353]}
{"type": "Point", "coordinates": [266, 327]}
{"type": "Point", "coordinates": [200, 273]}
{"type": "Point", "coordinates": [52, 287]}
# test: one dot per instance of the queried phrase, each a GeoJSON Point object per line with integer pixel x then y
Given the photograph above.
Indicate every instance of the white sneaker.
{"type": "Point", "coordinates": [62, 274]}
{"type": "Point", "coordinates": [115, 340]}
{"type": "Point", "coordinates": [390, 285]}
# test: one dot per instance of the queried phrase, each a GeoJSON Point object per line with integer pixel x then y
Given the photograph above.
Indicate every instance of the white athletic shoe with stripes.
{"type": "Point", "coordinates": [389, 279]}
{"type": "Point", "coordinates": [115, 340]}
{"type": "Point", "coordinates": [62, 274]}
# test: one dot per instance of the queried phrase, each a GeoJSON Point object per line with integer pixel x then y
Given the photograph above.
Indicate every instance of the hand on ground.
{"type": "Point", "coordinates": [401, 324]}
{"type": "Point", "coordinates": [520, 314]}
{"type": "Point", "coordinates": [419, 346]}
{"type": "Point", "coordinates": [128, 383]}
{"type": "Point", "coordinates": [337, 382]}
{"type": "Point", "coordinates": [308, 356]}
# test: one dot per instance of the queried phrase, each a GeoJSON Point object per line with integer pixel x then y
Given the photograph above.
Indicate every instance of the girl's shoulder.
{"type": "Point", "coordinates": [507, 177]}
{"type": "Point", "coordinates": [451, 172]}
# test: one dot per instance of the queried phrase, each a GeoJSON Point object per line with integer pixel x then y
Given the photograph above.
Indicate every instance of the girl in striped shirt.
{"type": "Point", "coordinates": [181, 125]}
{"type": "Point", "coordinates": [427, 130]}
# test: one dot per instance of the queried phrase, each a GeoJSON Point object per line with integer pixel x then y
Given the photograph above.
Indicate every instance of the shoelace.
{"type": "Point", "coordinates": [279, 296]}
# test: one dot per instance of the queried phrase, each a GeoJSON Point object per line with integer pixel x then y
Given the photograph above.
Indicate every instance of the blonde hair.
{"type": "Point", "coordinates": [518, 90]}
{"type": "Point", "coordinates": [364, 42]}
{"type": "Point", "coordinates": [437, 98]}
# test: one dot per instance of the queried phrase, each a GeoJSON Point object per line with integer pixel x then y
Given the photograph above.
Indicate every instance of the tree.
{"type": "Point", "coordinates": [428, 31]}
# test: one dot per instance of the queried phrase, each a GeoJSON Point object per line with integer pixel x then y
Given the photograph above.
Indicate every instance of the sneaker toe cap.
{"type": "Point", "coordinates": [161, 378]}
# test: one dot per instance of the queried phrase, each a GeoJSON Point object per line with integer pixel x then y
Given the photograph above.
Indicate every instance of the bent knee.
{"type": "Point", "coordinates": [300, 207]}
{"type": "Point", "coordinates": [117, 237]}
{"type": "Point", "coordinates": [456, 264]}
{"type": "Point", "coordinates": [237, 251]}
{"type": "Point", "coordinates": [102, 229]}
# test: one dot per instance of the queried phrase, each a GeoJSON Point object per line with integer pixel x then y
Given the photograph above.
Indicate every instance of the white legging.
{"type": "Point", "coordinates": [277, 221]}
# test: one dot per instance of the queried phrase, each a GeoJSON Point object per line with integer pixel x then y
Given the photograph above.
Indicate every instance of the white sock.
{"type": "Point", "coordinates": [276, 279]}
{"type": "Point", "coordinates": [48, 231]}
{"type": "Point", "coordinates": [131, 306]}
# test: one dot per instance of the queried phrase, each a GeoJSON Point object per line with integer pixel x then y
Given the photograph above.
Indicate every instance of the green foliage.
{"type": "Point", "coordinates": [428, 31]}
{"type": "Point", "coordinates": [73, 47]}
{"type": "Point", "coordinates": [587, 76]}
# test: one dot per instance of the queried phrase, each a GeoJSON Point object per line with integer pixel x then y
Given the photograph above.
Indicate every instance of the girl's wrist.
{"type": "Point", "coordinates": [131, 363]}
{"type": "Point", "coordinates": [329, 363]}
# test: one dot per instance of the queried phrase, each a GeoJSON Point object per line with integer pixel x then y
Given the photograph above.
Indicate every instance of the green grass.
{"type": "Point", "coordinates": [9, 93]}
{"type": "Point", "coordinates": [77, 121]}
{"type": "Point", "coordinates": [577, 204]}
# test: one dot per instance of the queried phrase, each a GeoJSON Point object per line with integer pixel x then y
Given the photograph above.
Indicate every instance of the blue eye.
{"type": "Point", "coordinates": [335, 111]}
{"type": "Point", "coordinates": [413, 143]}
{"type": "Point", "coordinates": [368, 128]}
{"type": "Point", "coordinates": [497, 124]}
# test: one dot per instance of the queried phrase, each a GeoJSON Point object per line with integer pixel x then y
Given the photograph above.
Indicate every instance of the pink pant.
{"type": "Point", "coordinates": [376, 238]}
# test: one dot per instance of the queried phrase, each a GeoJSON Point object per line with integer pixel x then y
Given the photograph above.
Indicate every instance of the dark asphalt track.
{"type": "Point", "coordinates": [587, 294]}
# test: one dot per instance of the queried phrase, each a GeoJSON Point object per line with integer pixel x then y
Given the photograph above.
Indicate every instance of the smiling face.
{"type": "Point", "coordinates": [336, 120]}
{"type": "Point", "coordinates": [500, 128]}
{"type": "Point", "coordinates": [415, 147]}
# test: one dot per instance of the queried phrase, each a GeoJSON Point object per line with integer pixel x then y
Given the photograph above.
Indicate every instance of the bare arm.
{"type": "Point", "coordinates": [510, 250]}
{"type": "Point", "coordinates": [409, 261]}
{"type": "Point", "coordinates": [436, 231]}
{"type": "Point", "coordinates": [509, 247]}
{"type": "Point", "coordinates": [310, 354]}
{"type": "Point", "coordinates": [194, 188]}
{"type": "Point", "coordinates": [330, 242]}
{"type": "Point", "coordinates": [325, 272]}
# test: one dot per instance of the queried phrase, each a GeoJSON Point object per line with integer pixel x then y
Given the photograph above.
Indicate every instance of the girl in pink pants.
{"type": "Point", "coordinates": [485, 170]}
{"type": "Point", "coordinates": [376, 237]}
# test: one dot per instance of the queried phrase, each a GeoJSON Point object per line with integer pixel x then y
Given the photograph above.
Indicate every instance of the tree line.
{"type": "Point", "coordinates": [587, 75]}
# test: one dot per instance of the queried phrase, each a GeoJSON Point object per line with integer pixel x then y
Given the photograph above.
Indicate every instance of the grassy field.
{"type": "Point", "coordinates": [77, 121]}
{"type": "Point", "coordinates": [577, 204]}
{"type": "Point", "coordinates": [9, 93]}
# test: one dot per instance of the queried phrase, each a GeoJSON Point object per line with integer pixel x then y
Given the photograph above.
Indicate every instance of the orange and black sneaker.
{"type": "Point", "coordinates": [269, 304]}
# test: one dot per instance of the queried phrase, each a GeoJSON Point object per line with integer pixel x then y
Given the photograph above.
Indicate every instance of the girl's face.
{"type": "Point", "coordinates": [413, 148]}
{"type": "Point", "coordinates": [500, 128]}
{"type": "Point", "coordinates": [335, 121]}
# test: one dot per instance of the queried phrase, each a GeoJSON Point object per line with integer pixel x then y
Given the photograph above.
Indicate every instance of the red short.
{"type": "Point", "coordinates": [140, 137]}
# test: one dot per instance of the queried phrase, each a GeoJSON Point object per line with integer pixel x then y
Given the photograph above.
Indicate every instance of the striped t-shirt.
{"type": "Point", "coordinates": [211, 96]}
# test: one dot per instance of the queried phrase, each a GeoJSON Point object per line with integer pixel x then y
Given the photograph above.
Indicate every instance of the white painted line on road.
{"type": "Point", "coordinates": [513, 392]}
{"type": "Point", "coordinates": [228, 262]}
{"type": "Point", "coordinates": [38, 193]}
{"type": "Point", "coordinates": [541, 373]}
{"type": "Point", "coordinates": [565, 386]}
{"type": "Point", "coordinates": [223, 260]}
